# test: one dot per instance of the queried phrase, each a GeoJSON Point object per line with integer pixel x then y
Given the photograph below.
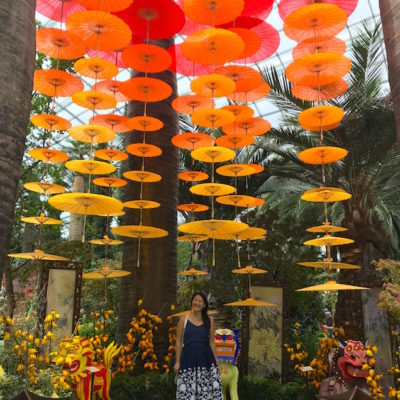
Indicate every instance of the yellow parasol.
{"type": "Point", "coordinates": [250, 302]}
{"type": "Point", "coordinates": [109, 181]}
{"type": "Point", "coordinates": [328, 240]}
{"type": "Point", "coordinates": [111, 155]}
{"type": "Point", "coordinates": [46, 188]}
{"type": "Point", "coordinates": [90, 167]}
{"type": "Point", "coordinates": [192, 176]}
{"type": "Point", "coordinates": [142, 176]}
{"type": "Point", "coordinates": [246, 234]}
{"type": "Point", "coordinates": [106, 241]}
{"type": "Point", "coordinates": [192, 238]}
{"type": "Point", "coordinates": [141, 204]}
{"type": "Point", "coordinates": [325, 195]}
{"type": "Point", "coordinates": [212, 117]}
{"type": "Point", "coordinates": [326, 227]}
{"type": "Point", "coordinates": [41, 220]}
{"type": "Point", "coordinates": [38, 255]}
{"type": "Point", "coordinates": [236, 200]}
{"type": "Point", "coordinates": [48, 155]}
{"type": "Point", "coordinates": [235, 170]}
{"type": "Point", "coordinates": [213, 154]}
{"type": "Point", "coordinates": [193, 272]}
{"type": "Point", "coordinates": [94, 100]}
{"type": "Point", "coordinates": [95, 68]}
{"type": "Point", "coordinates": [50, 122]}
{"type": "Point", "coordinates": [212, 189]}
{"type": "Point", "coordinates": [213, 85]}
{"type": "Point", "coordinates": [192, 207]}
{"type": "Point", "coordinates": [249, 270]}
{"type": "Point", "coordinates": [328, 265]}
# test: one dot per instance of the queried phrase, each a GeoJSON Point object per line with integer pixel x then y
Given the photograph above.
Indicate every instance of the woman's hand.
{"type": "Point", "coordinates": [176, 367]}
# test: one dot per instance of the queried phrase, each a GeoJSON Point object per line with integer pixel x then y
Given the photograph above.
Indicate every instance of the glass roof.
{"type": "Point", "coordinates": [367, 10]}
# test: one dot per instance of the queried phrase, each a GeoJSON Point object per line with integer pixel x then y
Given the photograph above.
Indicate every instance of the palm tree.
{"type": "Point", "coordinates": [390, 14]}
{"type": "Point", "coordinates": [155, 280]}
{"type": "Point", "coordinates": [370, 172]}
{"type": "Point", "coordinates": [17, 63]}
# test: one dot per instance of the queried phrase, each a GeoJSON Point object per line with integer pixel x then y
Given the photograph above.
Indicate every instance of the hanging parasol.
{"type": "Point", "coordinates": [326, 227]}
{"type": "Point", "coordinates": [249, 270]}
{"type": "Point", "coordinates": [325, 195]}
{"type": "Point", "coordinates": [99, 30]}
{"type": "Point", "coordinates": [236, 200]}
{"type": "Point", "coordinates": [252, 126]}
{"type": "Point", "coordinates": [106, 273]}
{"type": "Point", "coordinates": [41, 220]}
{"type": "Point", "coordinates": [111, 155]}
{"type": "Point", "coordinates": [46, 188]}
{"type": "Point", "coordinates": [241, 112]}
{"type": "Point", "coordinates": [110, 55]}
{"type": "Point", "coordinates": [193, 176]}
{"type": "Point", "coordinates": [212, 189]}
{"type": "Point", "coordinates": [252, 42]}
{"type": "Point", "coordinates": [143, 150]}
{"type": "Point", "coordinates": [146, 58]}
{"type": "Point", "coordinates": [250, 302]}
{"type": "Point", "coordinates": [322, 155]}
{"type": "Point", "coordinates": [109, 182]}
{"type": "Point", "coordinates": [320, 117]}
{"type": "Point", "coordinates": [212, 85]}
{"type": "Point", "coordinates": [212, 227]}
{"type": "Point", "coordinates": [60, 44]}
{"type": "Point", "coordinates": [96, 68]}
{"type": "Point", "coordinates": [258, 93]}
{"type": "Point", "coordinates": [330, 286]}
{"type": "Point", "coordinates": [328, 240]}
{"type": "Point", "coordinates": [236, 170]}
{"type": "Point", "coordinates": [332, 45]}
{"type": "Point", "coordinates": [192, 238]}
{"type": "Point", "coordinates": [91, 134]}
{"type": "Point", "coordinates": [315, 22]}
{"type": "Point", "coordinates": [190, 103]}
{"type": "Point", "coordinates": [234, 141]}
{"type": "Point", "coordinates": [113, 88]}
{"type": "Point", "coordinates": [117, 123]}
{"type": "Point", "coordinates": [141, 204]}
{"type": "Point", "coordinates": [212, 46]}
{"type": "Point", "coordinates": [322, 92]}
{"type": "Point", "coordinates": [90, 167]}
{"type": "Point", "coordinates": [48, 155]}
{"type": "Point", "coordinates": [106, 241]}
{"type": "Point", "coordinates": [142, 176]}
{"type": "Point", "coordinates": [145, 123]}
{"type": "Point", "coordinates": [146, 89]}
{"type": "Point", "coordinates": [192, 140]}
{"type": "Point", "coordinates": [212, 118]}
{"type": "Point", "coordinates": [38, 255]}
{"type": "Point", "coordinates": [58, 10]}
{"type": "Point", "coordinates": [54, 82]}
{"type": "Point", "coordinates": [94, 100]}
{"type": "Point", "coordinates": [193, 272]}
{"type": "Point", "coordinates": [328, 265]}
{"type": "Point", "coordinates": [192, 207]}
{"type": "Point", "coordinates": [245, 78]}
{"type": "Point", "coordinates": [246, 234]}
{"type": "Point", "coordinates": [50, 122]}
{"type": "Point", "coordinates": [105, 5]}
{"type": "Point", "coordinates": [213, 154]}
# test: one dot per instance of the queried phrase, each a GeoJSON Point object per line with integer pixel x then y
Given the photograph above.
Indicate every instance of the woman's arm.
{"type": "Point", "coordinates": [178, 345]}
{"type": "Point", "coordinates": [212, 339]}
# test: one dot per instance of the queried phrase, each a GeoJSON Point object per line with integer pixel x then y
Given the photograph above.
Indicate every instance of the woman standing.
{"type": "Point", "coordinates": [196, 360]}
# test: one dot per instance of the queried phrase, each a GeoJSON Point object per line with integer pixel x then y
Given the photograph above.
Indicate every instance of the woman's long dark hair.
{"type": "Point", "coordinates": [204, 311]}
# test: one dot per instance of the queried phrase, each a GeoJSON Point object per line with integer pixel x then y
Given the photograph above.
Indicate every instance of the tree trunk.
{"type": "Point", "coordinates": [155, 280]}
{"type": "Point", "coordinates": [17, 63]}
{"type": "Point", "coordinates": [75, 220]}
{"type": "Point", "coordinates": [10, 296]}
{"type": "Point", "coordinates": [28, 238]}
{"type": "Point", "coordinates": [390, 16]}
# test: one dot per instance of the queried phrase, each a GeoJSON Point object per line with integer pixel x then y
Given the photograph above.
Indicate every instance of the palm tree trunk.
{"type": "Point", "coordinates": [390, 16]}
{"type": "Point", "coordinates": [17, 64]}
{"type": "Point", "coordinates": [75, 220]}
{"type": "Point", "coordinates": [155, 280]}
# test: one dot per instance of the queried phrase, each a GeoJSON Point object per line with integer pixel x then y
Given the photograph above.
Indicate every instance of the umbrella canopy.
{"type": "Point", "coordinates": [322, 155]}
{"type": "Point", "coordinates": [332, 45]}
{"type": "Point", "coordinates": [38, 255]}
{"type": "Point", "coordinates": [321, 93]}
{"type": "Point", "coordinates": [106, 273]}
{"type": "Point", "coordinates": [94, 100]}
{"type": "Point", "coordinates": [115, 122]}
{"type": "Point", "coordinates": [236, 170]}
{"type": "Point", "coordinates": [212, 117]}
{"type": "Point", "coordinates": [54, 82]}
{"type": "Point", "coordinates": [328, 265]}
{"type": "Point", "coordinates": [50, 122]}
{"type": "Point", "coordinates": [252, 42]}
{"type": "Point", "coordinates": [320, 118]}
{"type": "Point", "coordinates": [212, 227]}
{"type": "Point", "coordinates": [252, 126]}
{"type": "Point", "coordinates": [234, 141]}
{"type": "Point", "coordinates": [212, 189]}
{"type": "Point", "coordinates": [192, 207]}
{"type": "Point", "coordinates": [146, 89]}
{"type": "Point", "coordinates": [192, 140]}
{"type": "Point", "coordinates": [91, 133]}
{"type": "Point", "coordinates": [106, 241]}
{"type": "Point", "coordinates": [330, 286]}
{"type": "Point", "coordinates": [245, 78]}
{"type": "Point", "coordinates": [193, 176]}
{"type": "Point", "coordinates": [246, 96]}
{"type": "Point", "coordinates": [328, 240]}
{"type": "Point", "coordinates": [249, 270]}
{"type": "Point", "coordinates": [145, 123]}
{"type": "Point", "coordinates": [212, 154]}
{"type": "Point", "coordinates": [190, 103]}
{"type": "Point", "coordinates": [41, 220]}
{"type": "Point", "coordinates": [236, 200]}
{"type": "Point", "coordinates": [109, 181]}
{"type": "Point", "coordinates": [250, 302]}
{"type": "Point", "coordinates": [143, 150]}
{"type": "Point", "coordinates": [90, 167]}
{"type": "Point", "coordinates": [106, 5]}
{"type": "Point", "coordinates": [52, 8]}
{"type": "Point", "coordinates": [96, 68]}
{"type": "Point", "coordinates": [48, 155]}
{"type": "Point", "coordinates": [246, 234]}
{"type": "Point", "coordinates": [113, 88]}
{"type": "Point", "coordinates": [86, 204]}
{"type": "Point", "coordinates": [141, 204]}
{"type": "Point", "coordinates": [139, 231]}
{"type": "Point", "coordinates": [325, 195]}
{"type": "Point", "coordinates": [212, 85]}
{"type": "Point", "coordinates": [192, 238]}
{"type": "Point", "coordinates": [192, 272]}
{"type": "Point", "coordinates": [111, 155]}
{"type": "Point", "coordinates": [142, 176]}
{"type": "Point", "coordinates": [326, 227]}
{"type": "Point", "coordinates": [241, 112]}
{"type": "Point", "coordinates": [44, 187]}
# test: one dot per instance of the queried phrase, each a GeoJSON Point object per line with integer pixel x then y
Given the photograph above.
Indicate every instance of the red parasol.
{"type": "Point", "coordinates": [58, 10]}
{"type": "Point", "coordinates": [106, 5]}
{"type": "Point", "coordinates": [111, 87]}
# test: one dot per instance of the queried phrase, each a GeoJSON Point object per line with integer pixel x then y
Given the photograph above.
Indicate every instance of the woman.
{"type": "Point", "coordinates": [196, 360]}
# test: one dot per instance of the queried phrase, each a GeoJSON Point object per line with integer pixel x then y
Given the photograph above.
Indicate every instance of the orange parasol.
{"type": "Point", "coordinates": [145, 123]}
{"type": "Point", "coordinates": [214, 12]}
{"type": "Point", "coordinates": [192, 207]}
{"type": "Point", "coordinates": [257, 168]}
{"type": "Point", "coordinates": [109, 182]}
{"type": "Point", "coordinates": [212, 117]}
{"type": "Point", "coordinates": [249, 270]}
{"type": "Point", "coordinates": [193, 176]}
{"type": "Point", "coordinates": [318, 69]}
{"type": "Point", "coordinates": [212, 189]}
{"type": "Point", "coordinates": [41, 220]}
{"type": "Point", "coordinates": [38, 255]}
{"type": "Point", "coordinates": [235, 141]}
{"type": "Point", "coordinates": [106, 241]}
{"type": "Point", "coordinates": [99, 30]}
{"type": "Point", "coordinates": [252, 126]}
{"type": "Point", "coordinates": [111, 155]}
{"type": "Point", "coordinates": [328, 240]}
{"type": "Point", "coordinates": [212, 85]}
{"type": "Point", "coordinates": [91, 133]}
{"type": "Point", "coordinates": [96, 68]}
{"type": "Point", "coordinates": [235, 170]}
{"type": "Point", "coordinates": [44, 187]}
{"type": "Point", "coordinates": [141, 204]}
{"type": "Point", "coordinates": [324, 92]}
{"type": "Point", "coordinates": [50, 122]}
{"type": "Point", "coordinates": [111, 87]}
{"type": "Point", "coordinates": [139, 231]}
{"type": "Point", "coordinates": [326, 227]}
{"type": "Point", "coordinates": [143, 150]}
{"type": "Point", "coordinates": [85, 203]}
{"type": "Point", "coordinates": [332, 45]}
{"type": "Point", "coordinates": [237, 200]}
{"type": "Point", "coordinates": [250, 302]}
{"type": "Point", "coordinates": [328, 265]}
{"type": "Point", "coordinates": [257, 202]}
{"type": "Point", "coordinates": [54, 82]}
{"type": "Point", "coordinates": [59, 44]}
{"type": "Point", "coordinates": [94, 100]}
{"type": "Point", "coordinates": [90, 167]}
{"type": "Point", "coordinates": [241, 113]}
{"type": "Point", "coordinates": [117, 123]}
{"type": "Point", "coordinates": [142, 176]}
{"type": "Point", "coordinates": [320, 118]}
{"type": "Point", "coordinates": [213, 154]}
{"type": "Point", "coordinates": [192, 141]}
{"type": "Point", "coordinates": [315, 22]}
{"type": "Point", "coordinates": [146, 58]}
{"type": "Point", "coordinates": [245, 78]}
{"type": "Point", "coordinates": [330, 286]}
{"type": "Point", "coordinates": [106, 5]}
{"type": "Point", "coordinates": [252, 42]}
{"type": "Point", "coordinates": [189, 103]}
{"type": "Point", "coordinates": [258, 93]}
{"type": "Point", "coordinates": [192, 272]}
{"type": "Point", "coordinates": [106, 273]}
{"type": "Point", "coordinates": [325, 195]}
{"type": "Point", "coordinates": [48, 155]}
{"type": "Point", "coordinates": [146, 89]}
{"type": "Point", "coordinates": [322, 155]}
{"type": "Point", "coordinates": [213, 46]}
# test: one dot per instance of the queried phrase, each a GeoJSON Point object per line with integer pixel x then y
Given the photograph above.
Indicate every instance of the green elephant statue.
{"type": "Point", "coordinates": [229, 378]}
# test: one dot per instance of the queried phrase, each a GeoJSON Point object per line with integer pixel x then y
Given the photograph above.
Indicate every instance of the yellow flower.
{"type": "Point", "coordinates": [7, 336]}
{"type": "Point", "coordinates": [369, 353]}
{"type": "Point", "coordinates": [20, 367]}
{"type": "Point", "coordinates": [140, 302]}
{"type": "Point", "coordinates": [172, 307]}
